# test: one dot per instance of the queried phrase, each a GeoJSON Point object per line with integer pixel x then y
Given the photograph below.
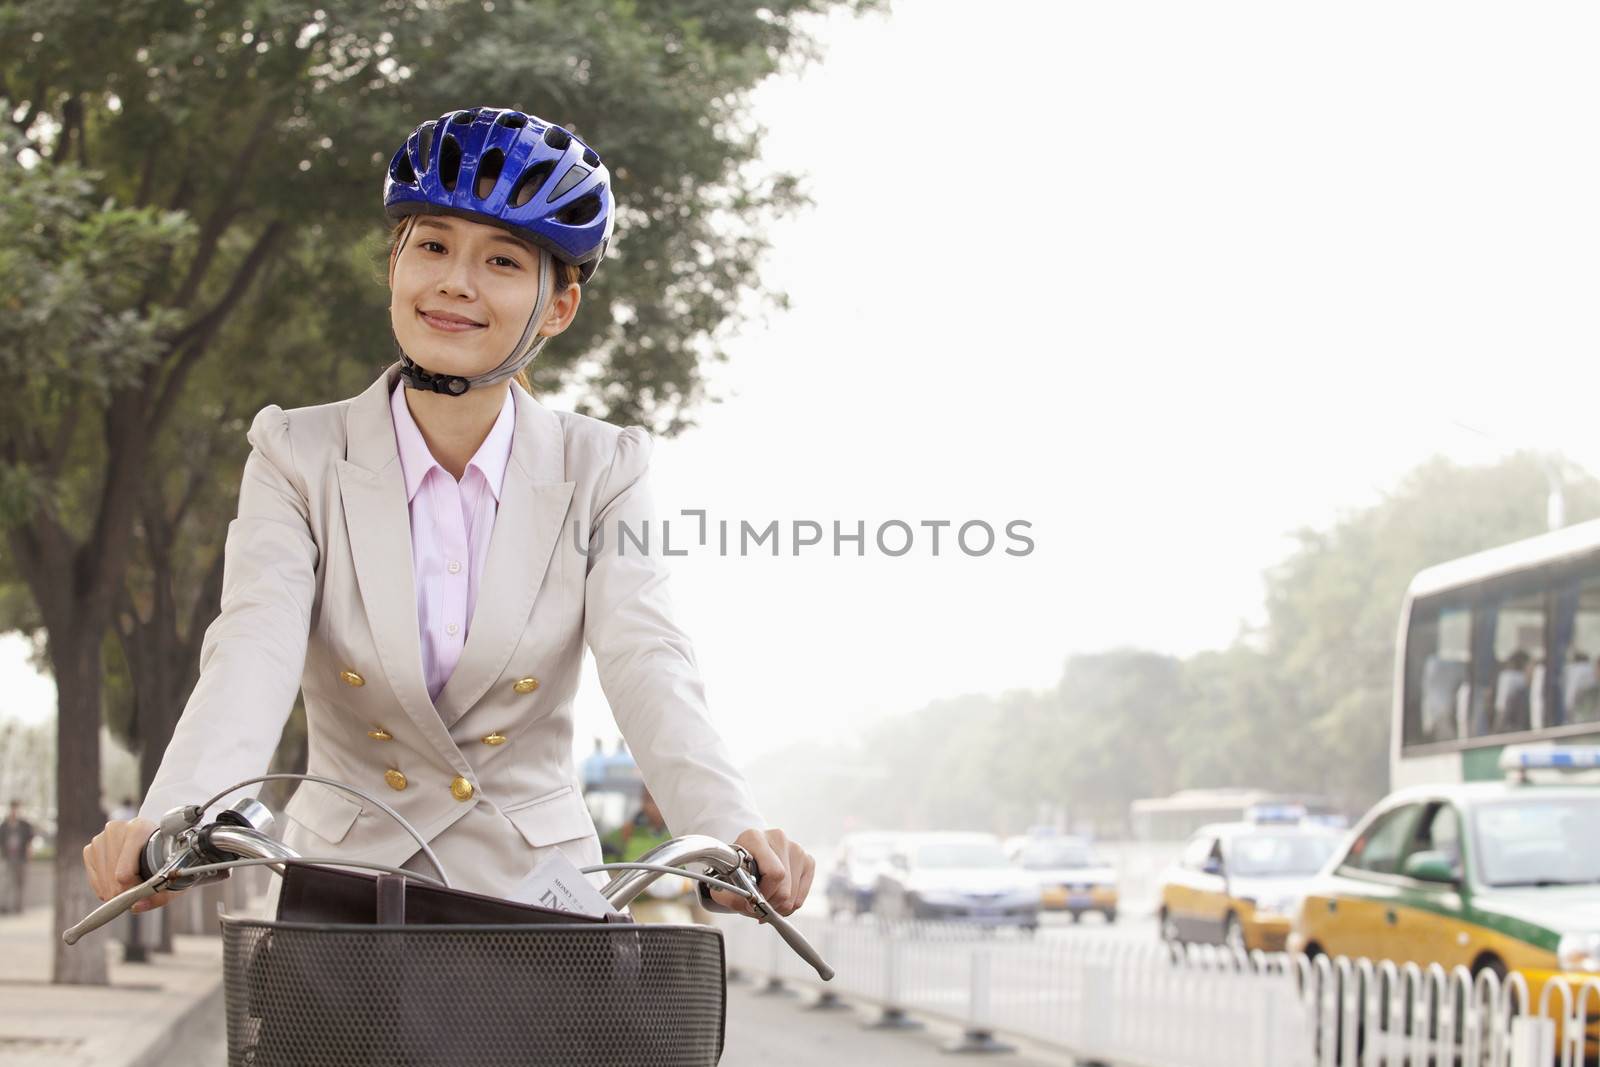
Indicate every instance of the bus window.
{"type": "Point", "coordinates": [1508, 648]}
{"type": "Point", "coordinates": [1519, 656]}
{"type": "Point", "coordinates": [1437, 653]}
{"type": "Point", "coordinates": [1576, 695]}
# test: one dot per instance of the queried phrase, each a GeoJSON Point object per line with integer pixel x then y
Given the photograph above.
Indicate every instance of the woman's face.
{"type": "Point", "coordinates": [462, 292]}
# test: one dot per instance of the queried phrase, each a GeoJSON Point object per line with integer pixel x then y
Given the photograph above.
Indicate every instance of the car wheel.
{"type": "Point", "coordinates": [1169, 928]}
{"type": "Point", "coordinates": [1111, 915]}
{"type": "Point", "coordinates": [1489, 962]}
{"type": "Point", "coordinates": [1233, 937]}
{"type": "Point", "coordinates": [1077, 916]}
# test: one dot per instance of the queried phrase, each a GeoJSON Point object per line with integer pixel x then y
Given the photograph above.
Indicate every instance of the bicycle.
{"type": "Point", "coordinates": [339, 993]}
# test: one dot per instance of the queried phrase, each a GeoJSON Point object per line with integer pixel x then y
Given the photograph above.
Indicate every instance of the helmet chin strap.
{"type": "Point", "coordinates": [523, 352]}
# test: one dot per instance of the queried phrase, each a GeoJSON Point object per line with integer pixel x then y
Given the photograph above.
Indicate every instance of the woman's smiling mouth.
{"type": "Point", "coordinates": [448, 323]}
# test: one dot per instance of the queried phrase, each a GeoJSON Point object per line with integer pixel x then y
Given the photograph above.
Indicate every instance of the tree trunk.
{"type": "Point", "coordinates": [159, 688]}
{"type": "Point", "coordinates": [75, 658]}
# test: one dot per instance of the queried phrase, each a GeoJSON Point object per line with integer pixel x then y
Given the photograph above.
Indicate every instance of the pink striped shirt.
{"type": "Point", "coordinates": [450, 526]}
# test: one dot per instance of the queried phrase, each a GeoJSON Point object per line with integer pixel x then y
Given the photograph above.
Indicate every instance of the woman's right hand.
{"type": "Point", "coordinates": [112, 860]}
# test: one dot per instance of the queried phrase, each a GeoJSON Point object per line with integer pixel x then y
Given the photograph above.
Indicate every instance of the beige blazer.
{"type": "Point", "coordinates": [318, 595]}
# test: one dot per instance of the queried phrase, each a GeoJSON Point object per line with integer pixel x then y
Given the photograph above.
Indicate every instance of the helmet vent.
{"type": "Point", "coordinates": [400, 170]}
{"type": "Point", "coordinates": [489, 172]}
{"type": "Point", "coordinates": [569, 181]}
{"type": "Point", "coordinates": [590, 158]}
{"type": "Point", "coordinates": [557, 138]}
{"type": "Point", "coordinates": [425, 145]}
{"type": "Point", "coordinates": [580, 211]}
{"type": "Point", "coordinates": [462, 118]}
{"type": "Point", "coordinates": [449, 162]}
{"type": "Point", "coordinates": [531, 182]}
{"type": "Point", "coordinates": [512, 119]}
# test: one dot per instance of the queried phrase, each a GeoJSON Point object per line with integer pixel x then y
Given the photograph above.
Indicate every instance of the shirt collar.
{"type": "Point", "coordinates": [416, 461]}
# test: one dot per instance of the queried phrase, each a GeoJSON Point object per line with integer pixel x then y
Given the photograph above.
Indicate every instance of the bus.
{"type": "Point", "coordinates": [1175, 818]}
{"type": "Point", "coordinates": [1497, 648]}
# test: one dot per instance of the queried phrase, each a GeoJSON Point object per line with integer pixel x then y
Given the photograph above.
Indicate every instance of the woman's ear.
{"type": "Point", "coordinates": [563, 309]}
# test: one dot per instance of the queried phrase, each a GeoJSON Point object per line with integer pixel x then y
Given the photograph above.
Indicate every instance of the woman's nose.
{"type": "Point", "coordinates": [457, 279]}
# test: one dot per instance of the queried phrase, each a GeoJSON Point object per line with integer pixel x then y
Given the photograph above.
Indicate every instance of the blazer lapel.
{"type": "Point", "coordinates": [533, 507]}
{"type": "Point", "coordinates": [373, 490]}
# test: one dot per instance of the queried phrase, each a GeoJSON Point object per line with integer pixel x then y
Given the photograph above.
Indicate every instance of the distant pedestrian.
{"type": "Point", "coordinates": [16, 833]}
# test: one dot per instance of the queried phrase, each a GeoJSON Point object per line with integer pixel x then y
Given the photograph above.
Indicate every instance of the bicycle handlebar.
{"type": "Point", "coordinates": [178, 856]}
{"type": "Point", "coordinates": [729, 861]}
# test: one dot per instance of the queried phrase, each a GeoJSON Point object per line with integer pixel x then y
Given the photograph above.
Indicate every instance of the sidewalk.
{"type": "Point", "coordinates": [133, 1022]}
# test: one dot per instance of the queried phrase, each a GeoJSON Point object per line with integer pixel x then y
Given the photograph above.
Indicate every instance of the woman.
{"type": "Point", "coordinates": [427, 561]}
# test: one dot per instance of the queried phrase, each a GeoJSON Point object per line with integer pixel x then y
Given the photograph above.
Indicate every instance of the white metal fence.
{"type": "Point", "coordinates": [1101, 999]}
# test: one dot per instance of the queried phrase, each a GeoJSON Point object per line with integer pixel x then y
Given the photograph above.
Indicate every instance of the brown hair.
{"type": "Point", "coordinates": [566, 274]}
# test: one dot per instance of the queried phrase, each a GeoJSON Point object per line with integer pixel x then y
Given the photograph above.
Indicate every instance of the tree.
{"type": "Point", "coordinates": [166, 159]}
{"type": "Point", "coordinates": [1302, 705]}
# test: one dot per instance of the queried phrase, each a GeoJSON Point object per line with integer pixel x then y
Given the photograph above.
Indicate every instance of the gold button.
{"type": "Point", "coordinates": [395, 779]}
{"type": "Point", "coordinates": [380, 734]}
{"type": "Point", "coordinates": [525, 685]}
{"type": "Point", "coordinates": [461, 789]}
{"type": "Point", "coordinates": [352, 678]}
{"type": "Point", "coordinates": [496, 738]}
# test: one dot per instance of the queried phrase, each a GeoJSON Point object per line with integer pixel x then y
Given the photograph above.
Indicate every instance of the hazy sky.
{"type": "Point", "coordinates": [1166, 280]}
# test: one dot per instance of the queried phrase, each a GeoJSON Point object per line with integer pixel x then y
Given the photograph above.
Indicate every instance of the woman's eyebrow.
{"type": "Point", "coordinates": [435, 224]}
{"type": "Point", "coordinates": [519, 242]}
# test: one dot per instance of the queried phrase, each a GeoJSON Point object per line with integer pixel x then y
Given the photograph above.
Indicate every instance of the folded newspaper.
{"type": "Point", "coordinates": [557, 883]}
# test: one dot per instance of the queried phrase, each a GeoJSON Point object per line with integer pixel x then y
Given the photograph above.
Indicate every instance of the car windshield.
{"type": "Point", "coordinates": [961, 854]}
{"type": "Point", "coordinates": [1278, 855]}
{"type": "Point", "coordinates": [868, 852]}
{"type": "Point", "coordinates": [1045, 855]}
{"type": "Point", "coordinates": [1538, 841]}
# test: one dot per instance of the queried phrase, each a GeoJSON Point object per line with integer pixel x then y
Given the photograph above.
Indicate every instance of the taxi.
{"type": "Point", "coordinates": [1499, 876]}
{"type": "Point", "coordinates": [1071, 877]}
{"type": "Point", "coordinates": [1239, 883]}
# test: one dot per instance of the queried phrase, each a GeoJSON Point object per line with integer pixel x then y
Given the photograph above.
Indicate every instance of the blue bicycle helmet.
{"type": "Point", "coordinates": [508, 169]}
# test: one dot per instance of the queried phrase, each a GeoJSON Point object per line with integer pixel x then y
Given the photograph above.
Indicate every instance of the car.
{"type": "Point", "coordinates": [854, 874]}
{"type": "Point", "coordinates": [955, 876]}
{"type": "Point", "coordinates": [1070, 876]}
{"type": "Point", "coordinates": [1490, 875]}
{"type": "Point", "coordinates": [1239, 883]}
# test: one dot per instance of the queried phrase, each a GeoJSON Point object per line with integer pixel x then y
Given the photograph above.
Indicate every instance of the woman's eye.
{"type": "Point", "coordinates": [508, 261]}
{"type": "Point", "coordinates": [436, 244]}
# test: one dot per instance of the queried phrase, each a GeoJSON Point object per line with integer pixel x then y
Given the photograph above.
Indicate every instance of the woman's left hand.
{"type": "Point", "coordinates": [786, 872]}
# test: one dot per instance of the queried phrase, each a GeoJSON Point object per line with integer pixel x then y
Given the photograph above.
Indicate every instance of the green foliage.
{"type": "Point", "coordinates": [191, 194]}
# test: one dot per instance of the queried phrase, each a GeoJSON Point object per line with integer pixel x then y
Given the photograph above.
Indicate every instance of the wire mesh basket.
{"type": "Point", "coordinates": [346, 995]}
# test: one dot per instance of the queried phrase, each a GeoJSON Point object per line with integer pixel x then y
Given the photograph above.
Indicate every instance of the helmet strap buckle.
{"type": "Point", "coordinates": [449, 384]}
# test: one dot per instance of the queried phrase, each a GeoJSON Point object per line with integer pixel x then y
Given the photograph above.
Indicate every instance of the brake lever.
{"type": "Point", "coordinates": [126, 899]}
{"type": "Point", "coordinates": [746, 876]}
